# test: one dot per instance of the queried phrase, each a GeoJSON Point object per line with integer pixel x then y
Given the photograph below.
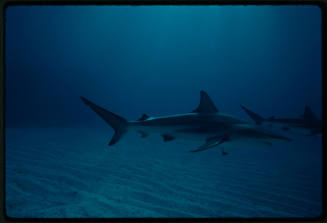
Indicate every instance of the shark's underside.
{"type": "Point", "coordinates": [205, 124]}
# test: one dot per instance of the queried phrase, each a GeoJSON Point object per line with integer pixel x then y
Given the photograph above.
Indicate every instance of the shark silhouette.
{"type": "Point", "coordinates": [205, 124]}
{"type": "Point", "coordinates": [306, 123]}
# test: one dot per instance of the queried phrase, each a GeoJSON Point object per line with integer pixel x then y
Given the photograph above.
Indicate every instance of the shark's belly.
{"type": "Point", "coordinates": [193, 136]}
{"type": "Point", "coordinates": [193, 133]}
{"type": "Point", "coordinates": [245, 143]}
{"type": "Point", "coordinates": [285, 128]}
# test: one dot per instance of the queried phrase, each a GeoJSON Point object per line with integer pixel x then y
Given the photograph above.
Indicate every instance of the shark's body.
{"type": "Point", "coordinates": [204, 124]}
{"type": "Point", "coordinates": [307, 123]}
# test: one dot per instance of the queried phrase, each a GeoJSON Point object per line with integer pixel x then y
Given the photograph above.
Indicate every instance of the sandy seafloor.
{"type": "Point", "coordinates": [67, 172]}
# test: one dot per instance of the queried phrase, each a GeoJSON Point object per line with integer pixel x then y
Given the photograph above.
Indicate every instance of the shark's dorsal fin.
{"type": "Point", "coordinates": [206, 105]}
{"type": "Point", "coordinates": [308, 114]}
{"type": "Point", "coordinates": [144, 117]}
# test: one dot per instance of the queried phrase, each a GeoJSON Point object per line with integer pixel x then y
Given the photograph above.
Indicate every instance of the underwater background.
{"type": "Point", "coordinates": [155, 60]}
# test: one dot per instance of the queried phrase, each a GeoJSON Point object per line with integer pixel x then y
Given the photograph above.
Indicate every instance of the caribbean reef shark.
{"type": "Point", "coordinates": [307, 123]}
{"type": "Point", "coordinates": [205, 124]}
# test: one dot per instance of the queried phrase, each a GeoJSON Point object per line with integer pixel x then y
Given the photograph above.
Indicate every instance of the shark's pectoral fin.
{"type": "Point", "coordinates": [143, 134]}
{"type": "Point", "coordinates": [167, 137]}
{"type": "Point", "coordinates": [211, 142]}
{"type": "Point", "coordinates": [204, 147]}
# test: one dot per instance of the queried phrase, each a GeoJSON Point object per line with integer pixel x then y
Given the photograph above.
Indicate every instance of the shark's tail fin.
{"type": "Point", "coordinates": [254, 116]}
{"type": "Point", "coordinates": [118, 123]}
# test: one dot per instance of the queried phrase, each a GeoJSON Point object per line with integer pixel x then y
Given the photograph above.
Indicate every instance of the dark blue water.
{"type": "Point", "coordinates": [155, 60]}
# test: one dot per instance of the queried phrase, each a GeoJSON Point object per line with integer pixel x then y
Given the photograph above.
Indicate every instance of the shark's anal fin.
{"type": "Point", "coordinates": [223, 152]}
{"type": "Point", "coordinates": [143, 134]}
{"type": "Point", "coordinates": [167, 137]}
{"type": "Point", "coordinates": [212, 142]}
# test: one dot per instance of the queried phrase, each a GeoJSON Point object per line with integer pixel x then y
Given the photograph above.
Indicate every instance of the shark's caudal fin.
{"type": "Point", "coordinates": [254, 116]}
{"type": "Point", "coordinates": [118, 123]}
{"type": "Point", "coordinates": [206, 105]}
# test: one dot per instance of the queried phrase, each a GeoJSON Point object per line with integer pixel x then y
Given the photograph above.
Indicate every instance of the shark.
{"type": "Point", "coordinates": [307, 123]}
{"type": "Point", "coordinates": [205, 124]}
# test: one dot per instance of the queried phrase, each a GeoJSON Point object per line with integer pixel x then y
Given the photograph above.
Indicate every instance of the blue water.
{"type": "Point", "coordinates": [155, 60]}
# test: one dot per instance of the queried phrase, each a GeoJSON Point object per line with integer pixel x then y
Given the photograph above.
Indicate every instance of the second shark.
{"type": "Point", "coordinates": [307, 123]}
